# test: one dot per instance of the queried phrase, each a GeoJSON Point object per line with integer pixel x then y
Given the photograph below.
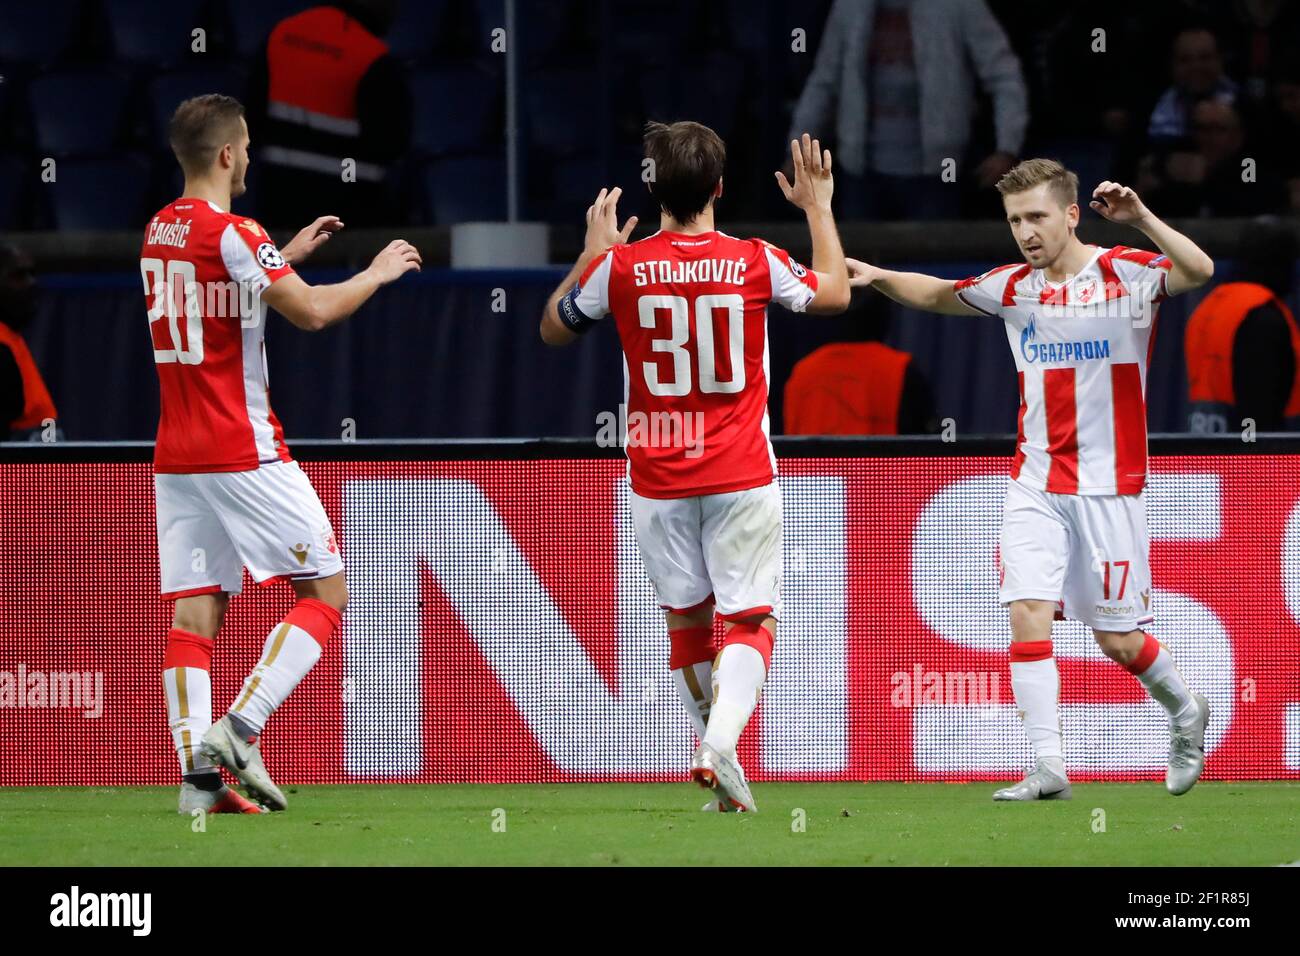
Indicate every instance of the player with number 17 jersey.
{"type": "Point", "coordinates": [692, 316]}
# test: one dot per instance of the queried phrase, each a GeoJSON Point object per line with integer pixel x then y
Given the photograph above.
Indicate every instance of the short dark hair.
{"type": "Point", "coordinates": [201, 126]}
{"type": "Point", "coordinates": [688, 159]}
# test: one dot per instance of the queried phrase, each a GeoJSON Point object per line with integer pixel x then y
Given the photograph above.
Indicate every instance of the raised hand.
{"type": "Point", "coordinates": [1118, 203]}
{"type": "Point", "coordinates": [602, 222]}
{"type": "Point", "coordinates": [813, 184]}
{"type": "Point", "coordinates": [310, 239]}
{"type": "Point", "coordinates": [395, 260]}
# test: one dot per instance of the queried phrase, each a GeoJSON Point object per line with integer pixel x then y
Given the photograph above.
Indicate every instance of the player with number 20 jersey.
{"type": "Point", "coordinates": [228, 494]}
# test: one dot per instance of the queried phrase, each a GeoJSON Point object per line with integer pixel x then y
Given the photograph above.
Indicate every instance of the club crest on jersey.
{"type": "Point", "coordinates": [268, 257]}
{"type": "Point", "coordinates": [1085, 290]}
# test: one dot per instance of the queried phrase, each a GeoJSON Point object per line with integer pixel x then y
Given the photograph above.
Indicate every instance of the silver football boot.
{"type": "Point", "coordinates": [723, 775]}
{"type": "Point", "coordinates": [1044, 782]}
{"type": "Point", "coordinates": [224, 747]}
{"type": "Point", "coordinates": [1187, 750]}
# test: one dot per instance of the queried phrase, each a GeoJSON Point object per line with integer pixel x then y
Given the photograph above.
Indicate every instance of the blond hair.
{"type": "Point", "coordinates": [1062, 183]}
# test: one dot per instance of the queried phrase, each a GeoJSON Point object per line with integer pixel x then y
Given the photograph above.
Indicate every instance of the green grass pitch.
{"type": "Point", "coordinates": [1222, 824]}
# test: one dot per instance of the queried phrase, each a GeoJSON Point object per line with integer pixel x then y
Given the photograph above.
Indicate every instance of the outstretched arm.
{"type": "Point", "coordinates": [317, 307]}
{"type": "Point", "coordinates": [1191, 267]}
{"type": "Point", "coordinates": [912, 289]}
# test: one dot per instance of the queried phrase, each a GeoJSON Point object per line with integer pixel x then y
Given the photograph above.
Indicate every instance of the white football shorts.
{"type": "Point", "coordinates": [1088, 553]}
{"type": "Point", "coordinates": [725, 545]}
{"type": "Point", "coordinates": [213, 525]}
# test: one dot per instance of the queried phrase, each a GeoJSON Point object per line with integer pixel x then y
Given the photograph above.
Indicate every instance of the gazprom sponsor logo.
{"type": "Point", "coordinates": [1079, 351]}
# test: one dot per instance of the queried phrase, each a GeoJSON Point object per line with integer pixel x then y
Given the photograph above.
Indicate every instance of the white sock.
{"type": "Point", "coordinates": [189, 713]}
{"type": "Point", "coordinates": [694, 685]}
{"type": "Point", "coordinates": [288, 654]}
{"type": "Point", "coordinates": [737, 680]}
{"type": "Point", "coordinates": [1166, 685]}
{"type": "Point", "coordinates": [1037, 688]}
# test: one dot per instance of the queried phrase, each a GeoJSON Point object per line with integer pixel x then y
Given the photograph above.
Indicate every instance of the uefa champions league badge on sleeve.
{"type": "Point", "coordinates": [268, 257]}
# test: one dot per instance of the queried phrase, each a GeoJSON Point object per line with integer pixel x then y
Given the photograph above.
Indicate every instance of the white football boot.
{"type": "Point", "coordinates": [723, 775]}
{"type": "Point", "coordinates": [224, 800]}
{"type": "Point", "coordinates": [1044, 782]}
{"type": "Point", "coordinates": [1187, 750]}
{"type": "Point", "coordinates": [223, 746]}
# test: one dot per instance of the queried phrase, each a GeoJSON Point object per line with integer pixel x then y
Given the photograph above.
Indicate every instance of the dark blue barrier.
{"type": "Point", "coordinates": [430, 357]}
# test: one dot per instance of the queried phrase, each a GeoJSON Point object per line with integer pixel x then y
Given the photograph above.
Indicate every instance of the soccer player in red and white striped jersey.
{"type": "Point", "coordinates": [1081, 322]}
{"type": "Point", "coordinates": [690, 305]}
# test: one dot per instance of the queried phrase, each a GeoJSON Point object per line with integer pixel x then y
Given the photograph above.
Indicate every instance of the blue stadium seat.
{"type": "Point", "coordinates": [13, 185]}
{"type": "Point", "coordinates": [37, 32]}
{"type": "Point", "coordinates": [100, 193]}
{"type": "Point", "coordinates": [417, 29]}
{"type": "Point", "coordinates": [77, 112]}
{"type": "Point", "coordinates": [558, 109]}
{"type": "Point", "coordinates": [160, 34]}
{"type": "Point", "coordinates": [465, 189]}
{"type": "Point", "coordinates": [251, 21]}
{"type": "Point", "coordinates": [167, 90]}
{"type": "Point", "coordinates": [453, 110]}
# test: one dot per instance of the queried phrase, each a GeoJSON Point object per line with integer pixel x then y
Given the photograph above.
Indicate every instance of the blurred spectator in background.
{"type": "Point", "coordinates": [328, 90]}
{"type": "Point", "coordinates": [1196, 68]}
{"type": "Point", "coordinates": [1256, 37]}
{"type": "Point", "coordinates": [1242, 343]}
{"type": "Point", "coordinates": [1217, 175]}
{"type": "Point", "coordinates": [899, 78]}
{"type": "Point", "coordinates": [860, 386]}
{"type": "Point", "coordinates": [25, 402]}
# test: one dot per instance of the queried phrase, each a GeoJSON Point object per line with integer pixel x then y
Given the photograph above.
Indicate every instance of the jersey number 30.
{"type": "Point", "coordinates": [679, 332]}
{"type": "Point", "coordinates": [160, 288]}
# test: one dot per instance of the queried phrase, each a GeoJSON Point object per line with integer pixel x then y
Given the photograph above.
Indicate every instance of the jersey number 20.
{"type": "Point", "coordinates": [679, 333]}
{"type": "Point", "coordinates": [160, 289]}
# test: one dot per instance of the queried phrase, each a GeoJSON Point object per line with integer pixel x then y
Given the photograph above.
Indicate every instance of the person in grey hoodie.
{"type": "Point", "coordinates": [897, 79]}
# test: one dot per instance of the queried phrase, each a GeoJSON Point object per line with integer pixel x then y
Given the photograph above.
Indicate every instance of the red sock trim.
{"type": "Point", "coordinates": [1146, 657]}
{"type": "Point", "coordinates": [688, 646]}
{"type": "Point", "coordinates": [1022, 652]}
{"type": "Point", "coordinates": [187, 650]}
{"type": "Point", "coordinates": [316, 618]}
{"type": "Point", "coordinates": [754, 635]}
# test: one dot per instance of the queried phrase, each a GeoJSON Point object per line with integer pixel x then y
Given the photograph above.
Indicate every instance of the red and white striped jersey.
{"type": "Point", "coordinates": [691, 311]}
{"type": "Point", "coordinates": [204, 273]}
{"type": "Point", "coordinates": [1081, 349]}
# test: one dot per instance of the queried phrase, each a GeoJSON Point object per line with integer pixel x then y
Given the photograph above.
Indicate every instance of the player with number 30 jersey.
{"type": "Point", "coordinates": [690, 305]}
